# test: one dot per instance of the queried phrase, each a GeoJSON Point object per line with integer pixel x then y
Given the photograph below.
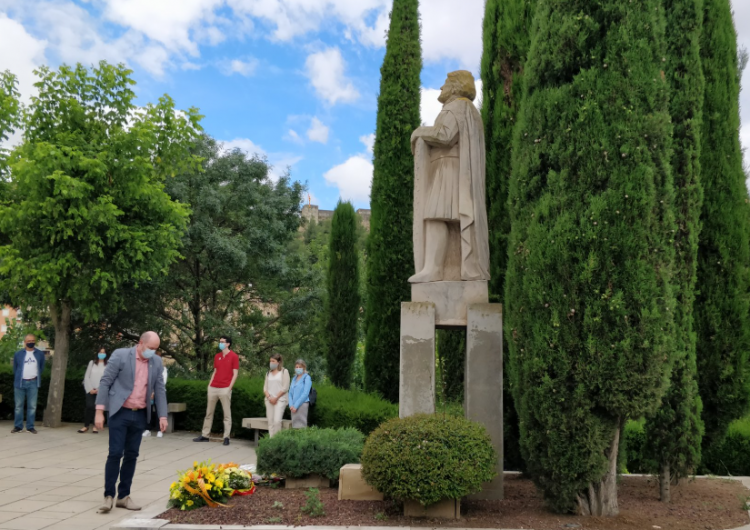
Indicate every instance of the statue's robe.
{"type": "Point", "coordinates": [450, 189]}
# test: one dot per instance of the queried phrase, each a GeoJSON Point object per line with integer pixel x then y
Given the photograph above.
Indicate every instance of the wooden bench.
{"type": "Point", "coordinates": [261, 424]}
{"type": "Point", "coordinates": [172, 409]}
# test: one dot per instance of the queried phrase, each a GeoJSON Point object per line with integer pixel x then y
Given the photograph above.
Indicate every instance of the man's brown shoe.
{"type": "Point", "coordinates": [127, 503]}
{"type": "Point", "coordinates": [106, 505]}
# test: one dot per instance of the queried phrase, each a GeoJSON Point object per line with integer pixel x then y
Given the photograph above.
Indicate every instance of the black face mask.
{"type": "Point", "coordinates": [30, 344]}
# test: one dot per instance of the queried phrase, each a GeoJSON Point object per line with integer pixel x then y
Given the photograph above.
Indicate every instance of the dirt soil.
{"type": "Point", "coordinates": [702, 504]}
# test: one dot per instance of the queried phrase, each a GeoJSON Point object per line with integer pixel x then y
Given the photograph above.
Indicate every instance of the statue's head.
{"type": "Point", "coordinates": [459, 84]}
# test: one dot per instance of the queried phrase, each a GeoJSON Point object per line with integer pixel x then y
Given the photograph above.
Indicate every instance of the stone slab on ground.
{"type": "Point", "coordinates": [447, 509]}
{"type": "Point", "coordinates": [312, 481]}
{"type": "Point", "coordinates": [352, 486]}
{"type": "Point", "coordinates": [63, 474]}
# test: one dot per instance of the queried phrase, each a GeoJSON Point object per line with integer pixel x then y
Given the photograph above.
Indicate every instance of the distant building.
{"type": "Point", "coordinates": [9, 314]}
{"type": "Point", "coordinates": [311, 212]}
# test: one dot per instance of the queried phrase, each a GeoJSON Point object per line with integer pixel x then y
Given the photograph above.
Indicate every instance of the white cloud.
{"type": "Point", "coordinates": [317, 131]}
{"type": "Point", "coordinates": [280, 162]}
{"type": "Point", "coordinates": [430, 107]}
{"type": "Point", "coordinates": [238, 66]}
{"type": "Point", "coordinates": [326, 72]}
{"type": "Point", "coordinates": [369, 142]}
{"type": "Point", "coordinates": [28, 54]}
{"type": "Point", "coordinates": [353, 178]}
{"type": "Point", "coordinates": [293, 136]}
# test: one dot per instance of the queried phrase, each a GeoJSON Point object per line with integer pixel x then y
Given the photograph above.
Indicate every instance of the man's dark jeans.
{"type": "Point", "coordinates": [125, 435]}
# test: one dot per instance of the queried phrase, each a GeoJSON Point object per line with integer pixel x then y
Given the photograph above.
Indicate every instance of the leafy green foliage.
{"type": "Point", "coordinates": [722, 306]}
{"type": "Point", "coordinates": [588, 287]}
{"type": "Point", "coordinates": [238, 274]}
{"type": "Point", "coordinates": [10, 111]}
{"type": "Point", "coordinates": [342, 302]}
{"type": "Point", "coordinates": [313, 505]}
{"type": "Point", "coordinates": [339, 408]}
{"type": "Point", "coordinates": [674, 433]}
{"type": "Point", "coordinates": [451, 351]}
{"type": "Point", "coordinates": [85, 211]}
{"type": "Point", "coordinates": [12, 340]}
{"type": "Point", "coordinates": [390, 251]}
{"type": "Point", "coordinates": [428, 458]}
{"type": "Point", "coordinates": [296, 453]}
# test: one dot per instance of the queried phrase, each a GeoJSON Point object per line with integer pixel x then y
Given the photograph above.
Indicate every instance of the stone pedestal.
{"type": "Point", "coordinates": [447, 509]}
{"type": "Point", "coordinates": [310, 481]}
{"type": "Point", "coordinates": [417, 372]}
{"type": "Point", "coordinates": [451, 299]}
{"type": "Point", "coordinates": [483, 383]}
{"type": "Point", "coordinates": [352, 486]}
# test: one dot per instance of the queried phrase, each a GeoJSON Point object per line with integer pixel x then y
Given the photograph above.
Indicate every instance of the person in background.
{"type": "Point", "coordinates": [276, 388]}
{"type": "Point", "coordinates": [226, 369]}
{"type": "Point", "coordinates": [131, 376]}
{"type": "Point", "coordinates": [154, 425]}
{"type": "Point", "coordinates": [94, 373]}
{"type": "Point", "coordinates": [299, 395]}
{"type": "Point", "coordinates": [27, 378]}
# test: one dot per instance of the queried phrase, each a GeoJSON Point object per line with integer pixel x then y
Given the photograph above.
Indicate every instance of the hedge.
{"type": "Point", "coordinates": [296, 453]}
{"type": "Point", "coordinates": [335, 408]}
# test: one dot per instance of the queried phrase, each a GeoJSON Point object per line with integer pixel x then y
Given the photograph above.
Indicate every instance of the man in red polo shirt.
{"type": "Point", "coordinates": [226, 368]}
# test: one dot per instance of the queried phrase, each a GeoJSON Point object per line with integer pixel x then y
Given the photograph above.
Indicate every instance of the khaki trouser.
{"type": "Point", "coordinates": [225, 396]}
{"type": "Point", "coordinates": [274, 415]}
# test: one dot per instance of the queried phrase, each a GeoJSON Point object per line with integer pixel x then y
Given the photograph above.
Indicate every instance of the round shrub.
{"type": "Point", "coordinates": [428, 458]}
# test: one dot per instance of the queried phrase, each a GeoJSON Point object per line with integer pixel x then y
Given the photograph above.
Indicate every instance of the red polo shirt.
{"type": "Point", "coordinates": [225, 364]}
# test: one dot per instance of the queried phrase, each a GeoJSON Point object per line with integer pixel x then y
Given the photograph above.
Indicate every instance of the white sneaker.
{"type": "Point", "coordinates": [159, 434]}
{"type": "Point", "coordinates": [146, 433]}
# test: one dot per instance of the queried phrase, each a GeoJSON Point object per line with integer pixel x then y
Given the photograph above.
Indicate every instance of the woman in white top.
{"type": "Point", "coordinates": [91, 380]}
{"type": "Point", "coordinates": [276, 388]}
{"type": "Point", "coordinates": [154, 416]}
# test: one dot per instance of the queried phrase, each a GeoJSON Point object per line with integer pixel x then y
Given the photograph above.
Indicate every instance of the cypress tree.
{"type": "Point", "coordinates": [390, 248]}
{"type": "Point", "coordinates": [674, 434]}
{"type": "Point", "coordinates": [342, 302]}
{"type": "Point", "coordinates": [506, 29]}
{"type": "Point", "coordinates": [588, 286]}
{"type": "Point", "coordinates": [451, 347]}
{"type": "Point", "coordinates": [721, 306]}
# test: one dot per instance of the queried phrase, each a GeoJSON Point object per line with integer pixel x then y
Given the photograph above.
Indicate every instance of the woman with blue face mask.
{"type": "Point", "coordinates": [299, 395]}
{"type": "Point", "coordinates": [91, 380]}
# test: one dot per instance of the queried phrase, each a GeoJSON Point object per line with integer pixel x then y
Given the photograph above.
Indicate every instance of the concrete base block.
{"type": "Point", "coordinates": [352, 487]}
{"type": "Point", "coordinates": [447, 509]}
{"type": "Point", "coordinates": [451, 299]}
{"type": "Point", "coordinates": [483, 395]}
{"type": "Point", "coordinates": [417, 378]}
{"type": "Point", "coordinates": [311, 481]}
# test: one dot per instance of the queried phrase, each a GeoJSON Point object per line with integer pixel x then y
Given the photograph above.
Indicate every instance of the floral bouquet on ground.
{"type": "Point", "coordinates": [203, 485]}
{"type": "Point", "coordinates": [238, 479]}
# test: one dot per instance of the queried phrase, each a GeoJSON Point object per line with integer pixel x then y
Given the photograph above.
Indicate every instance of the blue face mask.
{"type": "Point", "coordinates": [299, 371]}
{"type": "Point", "coordinates": [102, 355]}
{"type": "Point", "coordinates": [147, 354]}
{"type": "Point", "coordinates": [222, 345]}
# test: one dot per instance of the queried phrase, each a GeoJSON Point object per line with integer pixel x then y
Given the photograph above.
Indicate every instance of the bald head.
{"type": "Point", "coordinates": [149, 341]}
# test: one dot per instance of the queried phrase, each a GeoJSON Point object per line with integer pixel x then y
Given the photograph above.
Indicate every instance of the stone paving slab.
{"type": "Point", "coordinates": [54, 480]}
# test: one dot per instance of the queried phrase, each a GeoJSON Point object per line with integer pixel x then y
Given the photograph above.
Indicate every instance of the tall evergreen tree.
{"type": "Point", "coordinates": [342, 302]}
{"type": "Point", "coordinates": [722, 310]}
{"type": "Point", "coordinates": [674, 434]}
{"type": "Point", "coordinates": [506, 40]}
{"type": "Point", "coordinates": [390, 250]}
{"type": "Point", "coordinates": [588, 286]}
{"type": "Point", "coordinates": [451, 347]}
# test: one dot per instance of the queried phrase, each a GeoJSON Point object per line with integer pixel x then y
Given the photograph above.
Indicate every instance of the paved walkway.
{"type": "Point", "coordinates": [55, 479]}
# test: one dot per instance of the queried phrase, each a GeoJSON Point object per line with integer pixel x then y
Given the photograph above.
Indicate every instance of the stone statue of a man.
{"type": "Point", "coordinates": [451, 240]}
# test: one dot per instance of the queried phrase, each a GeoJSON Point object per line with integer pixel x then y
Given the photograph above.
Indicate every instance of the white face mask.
{"type": "Point", "coordinates": [273, 365]}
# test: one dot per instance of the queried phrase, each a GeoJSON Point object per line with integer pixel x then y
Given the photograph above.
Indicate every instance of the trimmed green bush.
{"type": "Point", "coordinates": [337, 408]}
{"type": "Point", "coordinates": [428, 458]}
{"type": "Point", "coordinates": [296, 453]}
{"type": "Point", "coordinates": [74, 402]}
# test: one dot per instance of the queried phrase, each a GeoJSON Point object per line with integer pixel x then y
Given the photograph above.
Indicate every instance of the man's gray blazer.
{"type": "Point", "coordinates": [119, 378]}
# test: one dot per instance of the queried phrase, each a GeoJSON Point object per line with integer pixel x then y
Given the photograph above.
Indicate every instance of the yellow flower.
{"type": "Point", "coordinates": [189, 503]}
{"type": "Point", "coordinates": [195, 464]}
{"type": "Point", "coordinates": [219, 484]}
{"type": "Point", "coordinates": [173, 485]}
{"type": "Point", "coordinates": [211, 477]}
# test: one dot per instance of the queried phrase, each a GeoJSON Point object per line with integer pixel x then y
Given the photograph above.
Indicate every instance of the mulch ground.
{"type": "Point", "coordinates": [701, 504]}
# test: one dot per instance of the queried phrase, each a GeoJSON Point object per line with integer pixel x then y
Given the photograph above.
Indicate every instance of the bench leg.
{"type": "Point", "coordinates": [170, 422]}
{"type": "Point", "coordinates": [256, 436]}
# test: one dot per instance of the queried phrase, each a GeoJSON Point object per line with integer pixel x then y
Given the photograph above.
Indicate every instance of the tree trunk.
{"type": "Point", "coordinates": [60, 313]}
{"type": "Point", "coordinates": [664, 482]}
{"type": "Point", "coordinates": [600, 499]}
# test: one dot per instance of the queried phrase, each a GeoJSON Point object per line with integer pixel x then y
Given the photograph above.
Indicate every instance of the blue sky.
{"type": "Point", "coordinates": [294, 80]}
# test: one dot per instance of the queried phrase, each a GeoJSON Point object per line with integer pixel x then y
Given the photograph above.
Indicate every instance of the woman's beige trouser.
{"type": "Point", "coordinates": [225, 396]}
{"type": "Point", "coordinates": [274, 415]}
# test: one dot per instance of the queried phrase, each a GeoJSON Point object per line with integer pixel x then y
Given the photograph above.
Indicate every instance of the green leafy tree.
{"type": "Point", "coordinates": [10, 113]}
{"type": "Point", "coordinates": [674, 434]}
{"type": "Point", "coordinates": [342, 300]}
{"type": "Point", "coordinates": [506, 41]}
{"type": "Point", "coordinates": [451, 352]}
{"type": "Point", "coordinates": [722, 307]}
{"type": "Point", "coordinates": [86, 211]}
{"type": "Point", "coordinates": [239, 273]}
{"type": "Point", "coordinates": [390, 251]}
{"type": "Point", "coordinates": [588, 288]}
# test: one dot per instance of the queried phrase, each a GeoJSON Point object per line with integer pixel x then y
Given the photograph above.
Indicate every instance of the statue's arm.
{"type": "Point", "coordinates": [444, 133]}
